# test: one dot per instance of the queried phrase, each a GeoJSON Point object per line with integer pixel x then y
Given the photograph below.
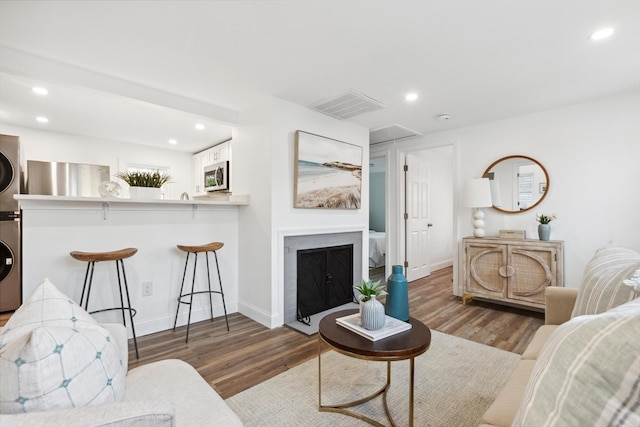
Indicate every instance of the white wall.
{"type": "Point", "coordinates": [591, 151]}
{"type": "Point", "coordinates": [62, 147]}
{"type": "Point", "coordinates": [252, 174]}
{"type": "Point", "coordinates": [264, 153]}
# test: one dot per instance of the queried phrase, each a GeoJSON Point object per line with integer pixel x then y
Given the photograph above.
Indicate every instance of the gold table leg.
{"type": "Point", "coordinates": [342, 408]}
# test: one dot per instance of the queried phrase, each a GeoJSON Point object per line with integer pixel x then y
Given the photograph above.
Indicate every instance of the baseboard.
{"type": "Point", "coordinates": [165, 323]}
{"type": "Point", "coordinates": [442, 264]}
{"type": "Point", "coordinates": [259, 315]}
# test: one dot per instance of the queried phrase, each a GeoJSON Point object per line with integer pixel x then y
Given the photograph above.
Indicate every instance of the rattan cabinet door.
{"type": "Point", "coordinates": [534, 268]}
{"type": "Point", "coordinates": [483, 262]}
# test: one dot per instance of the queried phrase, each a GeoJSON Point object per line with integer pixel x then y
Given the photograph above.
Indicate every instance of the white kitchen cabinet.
{"type": "Point", "coordinates": [219, 153]}
{"type": "Point", "coordinates": [215, 154]}
{"type": "Point", "coordinates": [511, 271]}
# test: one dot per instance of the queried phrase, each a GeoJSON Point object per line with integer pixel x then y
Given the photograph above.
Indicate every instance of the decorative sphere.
{"type": "Point", "coordinates": [478, 232]}
{"type": "Point", "coordinates": [478, 223]}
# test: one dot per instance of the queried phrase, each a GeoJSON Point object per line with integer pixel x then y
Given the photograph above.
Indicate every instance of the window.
{"type": "Point", "coordinates": [525, 190]}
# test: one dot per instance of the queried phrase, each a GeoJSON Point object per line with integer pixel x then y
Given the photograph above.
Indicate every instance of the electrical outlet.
{"type": "Point", "coordinates": [147, 289]}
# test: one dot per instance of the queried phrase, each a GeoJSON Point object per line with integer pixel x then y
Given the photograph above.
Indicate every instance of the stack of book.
{"type": "Point", "coordinates": [391, 327]}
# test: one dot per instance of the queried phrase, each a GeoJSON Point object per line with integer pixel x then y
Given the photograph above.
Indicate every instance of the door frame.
{"type": "Point", "coordinates": [394, 188]}
{"type": "Point", "coordinates": [399, 214]}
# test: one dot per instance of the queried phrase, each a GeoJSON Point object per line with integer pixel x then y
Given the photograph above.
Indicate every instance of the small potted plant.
{"type": "Point", "coordinates": [544, 229]}
{"type": "Point", "coordinates": [144, 184]}
{"type": "Point", "coordinates": [371, 310]}
{"type": "Point", "coordinates": [368, 289]}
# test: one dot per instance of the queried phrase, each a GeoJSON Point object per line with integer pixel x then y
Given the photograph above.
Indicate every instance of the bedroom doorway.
{"type": "Point", "coordinates": [377, 218]}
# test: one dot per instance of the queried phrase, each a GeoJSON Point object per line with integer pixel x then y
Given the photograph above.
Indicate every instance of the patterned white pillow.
{"type": "Point", "coordinates": [53, 355]}
{"type": "Point", "coordinates": [602, 286]}
{"type": "Point", "coordinates": [588, 373]}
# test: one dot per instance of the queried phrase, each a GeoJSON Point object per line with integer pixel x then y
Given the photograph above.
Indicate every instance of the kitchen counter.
{"type": "Point", "coordinates": [239, 200]}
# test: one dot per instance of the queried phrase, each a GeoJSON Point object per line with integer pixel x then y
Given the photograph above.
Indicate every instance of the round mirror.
{"type": "Point", "coordinates": [518, 183]}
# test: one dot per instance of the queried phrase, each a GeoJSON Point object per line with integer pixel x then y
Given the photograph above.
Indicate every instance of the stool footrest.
{"type": "Point", "coordinates": [133, 310]}
{"type": "Point", "coordinates": [196, 293]}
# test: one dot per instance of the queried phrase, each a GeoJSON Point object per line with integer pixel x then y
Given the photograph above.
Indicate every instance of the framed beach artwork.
{"type": "Point", "coordinates": [328, 173]}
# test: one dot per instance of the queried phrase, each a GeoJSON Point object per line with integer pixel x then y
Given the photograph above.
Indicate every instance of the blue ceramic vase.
{"type": "Point", "coordinates": [544, 231]}
{"type": "Point", "coordinates": [397, 295]}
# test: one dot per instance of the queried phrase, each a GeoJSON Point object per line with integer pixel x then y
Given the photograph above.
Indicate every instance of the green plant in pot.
{"type": "Point", "coordinates": [144, 184]}
{"type": "Point", "coordinates": [372, 314]}
{"type": "Point", "coordinates": [368, 289]}
{"type": "Point", "coordinates": [153, 179]}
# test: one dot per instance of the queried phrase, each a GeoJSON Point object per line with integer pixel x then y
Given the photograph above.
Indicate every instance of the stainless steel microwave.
{"type": "Point", "coordinates": [216, 177]}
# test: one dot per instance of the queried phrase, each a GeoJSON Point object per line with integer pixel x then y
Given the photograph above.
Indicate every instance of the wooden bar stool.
{"type": "Point", "coordinates": [118, 256]}
{"type": "Point", "coordinates": [209, 247]}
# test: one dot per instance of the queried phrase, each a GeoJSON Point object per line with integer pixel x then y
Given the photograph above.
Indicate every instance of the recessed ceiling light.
{"type": "Point", "coordinates": [40, 90]}
{"type": "Point", "coordinates": [42, 119]}
{"type": "Point", "coordinates": [411, 96]}
{"type": "Point", "coordinates": [173, 141]}
{"type": "Point", "coordinates": [602, 34]}
{"type": "Point", "coordinates": [199, 126]}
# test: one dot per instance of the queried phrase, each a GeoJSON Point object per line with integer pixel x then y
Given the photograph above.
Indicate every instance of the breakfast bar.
{"type": "Point", "coordinates": [54, 226]}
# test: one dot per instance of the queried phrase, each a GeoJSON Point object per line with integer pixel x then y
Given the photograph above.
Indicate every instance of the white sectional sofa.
{"type": "Point", "coordinates": [163, 393]}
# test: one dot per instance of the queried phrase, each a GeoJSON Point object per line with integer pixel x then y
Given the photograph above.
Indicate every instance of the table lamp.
{"type": "Point", "coordinates": [477, 194]}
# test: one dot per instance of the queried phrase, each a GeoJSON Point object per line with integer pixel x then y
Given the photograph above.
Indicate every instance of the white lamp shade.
{"type": "Point", "coordinates": [477, 193]}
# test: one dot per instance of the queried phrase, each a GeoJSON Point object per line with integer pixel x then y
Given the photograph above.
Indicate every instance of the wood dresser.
{"type": "Point", "coordinates": [511, 271]}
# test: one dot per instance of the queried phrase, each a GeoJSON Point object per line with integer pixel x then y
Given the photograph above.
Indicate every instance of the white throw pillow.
{"type": "Point", "coordinates": [602, 286]}
{"type": "Point", "coordinates": [54, 355]}
{"type": "Point", "coordinates": [587, 373]}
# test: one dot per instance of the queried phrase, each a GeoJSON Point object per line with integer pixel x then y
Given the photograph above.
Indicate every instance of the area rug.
{"type": "Point", "coordinates": [455, 382]}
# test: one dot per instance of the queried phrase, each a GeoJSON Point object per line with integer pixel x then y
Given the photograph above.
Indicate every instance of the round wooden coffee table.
{"type": "Point", "coordinates": [402, 346]}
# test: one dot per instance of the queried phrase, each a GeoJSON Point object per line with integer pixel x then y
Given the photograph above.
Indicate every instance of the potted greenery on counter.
{"type": "Point", "coordinates": [144, 184]}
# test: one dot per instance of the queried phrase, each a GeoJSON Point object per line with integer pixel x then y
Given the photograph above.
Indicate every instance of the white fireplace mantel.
{"type": "Point", "coordinates": [316, 236]}
{"type": "Point", "coordinates": [284, 232]}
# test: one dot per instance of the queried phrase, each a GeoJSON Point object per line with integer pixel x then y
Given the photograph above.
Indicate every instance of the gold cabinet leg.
{"type": "Point", "coordinates": [465, 298]}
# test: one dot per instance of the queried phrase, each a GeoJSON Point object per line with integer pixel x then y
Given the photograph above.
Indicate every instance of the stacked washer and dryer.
{"type": "Point", "coordinates": [10, 269]}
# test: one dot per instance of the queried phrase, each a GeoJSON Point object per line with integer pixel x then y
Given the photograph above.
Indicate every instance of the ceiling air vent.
{"type": "Point", "coordinates": [391, 133]}
{"type": "Point", "coordinates": [348, 104]}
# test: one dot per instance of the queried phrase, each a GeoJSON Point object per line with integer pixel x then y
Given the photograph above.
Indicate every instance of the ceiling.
{"type": "Point", "coordinates": [145, 72]}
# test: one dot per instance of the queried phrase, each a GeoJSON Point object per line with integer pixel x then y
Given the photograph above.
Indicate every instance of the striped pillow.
{"type": "Point", "coordinates": [602, 286]}
{"type": "Point", "coordinates": [588, 373]}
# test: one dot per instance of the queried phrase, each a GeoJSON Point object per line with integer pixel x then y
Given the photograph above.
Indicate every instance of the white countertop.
{"type": "Point", "coordinates": [229, 200]}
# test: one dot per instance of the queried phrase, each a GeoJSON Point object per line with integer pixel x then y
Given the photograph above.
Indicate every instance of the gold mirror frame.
{"type": "Point", "coordinates": [540, 187]}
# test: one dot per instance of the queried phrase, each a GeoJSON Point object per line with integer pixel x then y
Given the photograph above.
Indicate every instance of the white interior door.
{"type": "Point", "coordinates": [417, 218]}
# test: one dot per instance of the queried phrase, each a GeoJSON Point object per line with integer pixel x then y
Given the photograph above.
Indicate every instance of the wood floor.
{"type": "Point", "coordinates": [251, 353]}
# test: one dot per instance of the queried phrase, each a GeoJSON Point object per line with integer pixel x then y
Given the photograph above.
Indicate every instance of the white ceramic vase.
{"type": "Point", "coordinates": [372, 316]}
{"type": "Point", "coordinates": [148, 193]}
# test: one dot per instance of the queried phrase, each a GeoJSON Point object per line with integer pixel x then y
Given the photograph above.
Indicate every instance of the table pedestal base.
{"type": "Point", "coordinates": [342, 407]}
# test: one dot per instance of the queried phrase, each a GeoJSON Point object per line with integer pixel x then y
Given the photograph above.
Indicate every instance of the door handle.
{"type": "Point", "coordinates": [429, 225]}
